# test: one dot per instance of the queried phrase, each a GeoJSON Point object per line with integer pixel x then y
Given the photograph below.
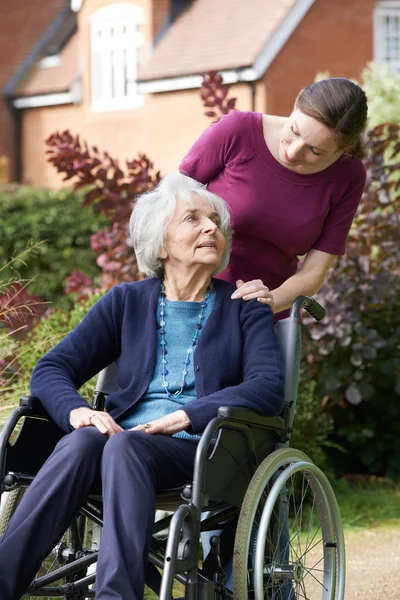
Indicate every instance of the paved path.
{"type": "Point", "coordinates": [373, 564]}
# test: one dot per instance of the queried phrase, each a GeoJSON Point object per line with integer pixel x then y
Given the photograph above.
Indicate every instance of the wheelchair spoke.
{"type": "Point", "coordinates": [78, 542]}
{"type": "Point", "coordinates": [284, 528]}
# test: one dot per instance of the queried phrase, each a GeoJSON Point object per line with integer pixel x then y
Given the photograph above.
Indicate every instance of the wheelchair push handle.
{"type": "Point", "coordinates": [313, 307]}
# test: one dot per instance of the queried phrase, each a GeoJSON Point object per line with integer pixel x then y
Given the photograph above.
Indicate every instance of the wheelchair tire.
{"type": "Point", "coordinates": [59, 556]}
{"type": "Point", "coordinates": [289, 541]}
{"type": "Point", "coordinates": [8, 507]}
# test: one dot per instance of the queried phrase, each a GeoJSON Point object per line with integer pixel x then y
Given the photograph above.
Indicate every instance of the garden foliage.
{"type": "Point", "coordinates": [18, 307]}
{"type": "Point", "coordinates": [111, 190]}
{"type": "Point", "coordinates": [56, 218]}
{"type": "Point", "coordinates": [53, 327]}
{"type": "Point", "coordinates": [382, 87]}
{"type": "Point", "coordinates": [353, 355]}
{"type": "Point", "coordinates": [358, 343]}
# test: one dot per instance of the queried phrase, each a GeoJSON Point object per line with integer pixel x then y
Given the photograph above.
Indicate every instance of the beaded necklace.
{"type": "Point", "coordinates": [191, 348]}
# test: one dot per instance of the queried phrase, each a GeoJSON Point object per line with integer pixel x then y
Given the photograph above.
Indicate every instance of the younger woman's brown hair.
{"type": "Point", "coordinates": [342, 106]}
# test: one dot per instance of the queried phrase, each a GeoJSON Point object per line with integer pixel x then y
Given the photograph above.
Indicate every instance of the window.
{"type": "Point", "coordinates": [116, 39]}
{"type": "Point", "coordinates": [387, 34]}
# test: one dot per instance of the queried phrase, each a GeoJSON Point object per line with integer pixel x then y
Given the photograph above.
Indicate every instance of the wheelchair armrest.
{"type": "Point", "coordinates": [242, 415]}
{"type": "Point", "coordinates": [34, 404]}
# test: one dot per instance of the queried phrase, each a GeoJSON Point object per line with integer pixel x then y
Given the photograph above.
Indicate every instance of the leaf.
{"type": "Point", "coordinates": [353, 395]}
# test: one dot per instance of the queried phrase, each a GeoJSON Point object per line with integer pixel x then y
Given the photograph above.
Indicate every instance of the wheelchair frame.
{"type": "Point", "coordinates": [261, 466]}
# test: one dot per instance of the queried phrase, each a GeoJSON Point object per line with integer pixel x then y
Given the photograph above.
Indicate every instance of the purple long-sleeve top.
{"type": "Point", "coordinates": [277, 214]}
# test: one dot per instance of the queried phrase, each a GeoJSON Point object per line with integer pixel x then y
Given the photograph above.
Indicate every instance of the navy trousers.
{"type": "Point", "coordinates": [130, 467]}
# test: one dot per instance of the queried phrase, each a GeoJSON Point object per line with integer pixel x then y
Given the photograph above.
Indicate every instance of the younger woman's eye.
{"type": "Point", "coordinates": [293, 130]}
{"type": "Point", "coordinates": [315, 152]}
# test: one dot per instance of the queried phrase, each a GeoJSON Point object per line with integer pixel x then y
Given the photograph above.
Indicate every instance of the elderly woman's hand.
{"type": "Point", "coordinates": [86, 417]}
{"type": "Point", "coordinates": [254, 289]}
{"type": "Point", "coordinates": [168, 425]}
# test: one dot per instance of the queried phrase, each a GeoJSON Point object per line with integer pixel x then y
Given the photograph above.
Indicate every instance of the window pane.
{"type": "Point", "coordinates": [112, 74]}
{"type": "Point", "coordinates": [390, 40]}
{"type": "Point", "coordinates": [125, 72]}
{"type": "Point", "coordinates": [115, 43]}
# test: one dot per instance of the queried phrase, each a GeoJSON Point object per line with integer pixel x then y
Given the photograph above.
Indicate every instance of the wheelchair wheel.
{"type": "Point", "coordinates": [8, 507]}
{"type": "Point", "coordinates": [289, 542]}
{"type": "Point", "coordinates": [79, 541]}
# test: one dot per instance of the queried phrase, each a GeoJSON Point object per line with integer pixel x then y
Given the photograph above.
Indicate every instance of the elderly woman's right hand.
{"type": "Point", "coordinates": [86, 417]}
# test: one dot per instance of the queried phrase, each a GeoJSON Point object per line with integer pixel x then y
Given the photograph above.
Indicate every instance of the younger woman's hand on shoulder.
{"type": "Point", "coordinates": [254, 289]}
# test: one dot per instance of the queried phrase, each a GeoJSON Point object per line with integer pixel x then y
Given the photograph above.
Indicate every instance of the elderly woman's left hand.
{"type": "Point", "coordinates": [168, 425]}
{"type": "Point", "coordinates": [254, 289]}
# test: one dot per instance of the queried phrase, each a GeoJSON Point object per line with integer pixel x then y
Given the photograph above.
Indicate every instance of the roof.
{"type": "Point", "coordinates": [217, 35]}
{"type": "Point", "coordinates": [55, 79]}
{"type": "Point", "coordinates": [24, 31]}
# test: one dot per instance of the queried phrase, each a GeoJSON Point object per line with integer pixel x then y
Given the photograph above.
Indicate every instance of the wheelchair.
{"type": "Point", "coordinates": [277, 517]}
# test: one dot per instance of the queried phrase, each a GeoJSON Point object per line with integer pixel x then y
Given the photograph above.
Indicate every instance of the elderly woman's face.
{"type": "Point", "coordinates": [306, 145]}
{"type": "Point", "coordinates": [193, 237]}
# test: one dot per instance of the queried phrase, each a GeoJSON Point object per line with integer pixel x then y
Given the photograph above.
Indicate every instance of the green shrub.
{"type": "Point", "coordinates": [354, 352]}
{"type": "Point", "coordinates": [312, 426]}
{"type": "Point", "coordinates": [382, 87]}
{"type": "Point", "coordinates": [32, 215]}
{"type": "Point", "coordinates": [51, 329]}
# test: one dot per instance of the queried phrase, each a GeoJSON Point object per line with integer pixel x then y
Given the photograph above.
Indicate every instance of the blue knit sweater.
{"type": "Point", "coordinates": [237, 361]}
{"type": "Point", "coordinates": [181, 319]}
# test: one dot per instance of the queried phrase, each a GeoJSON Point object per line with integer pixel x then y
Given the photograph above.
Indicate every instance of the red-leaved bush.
{"type": "Point", "coordinates": [111, 189]}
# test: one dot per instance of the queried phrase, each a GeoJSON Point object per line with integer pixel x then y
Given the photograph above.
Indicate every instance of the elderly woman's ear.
{"type": "Point", "coordinates": [163, 254]}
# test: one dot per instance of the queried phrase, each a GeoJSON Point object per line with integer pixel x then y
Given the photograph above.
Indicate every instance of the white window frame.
{"type": "Point", "coordinates": [383, 10]}
{"type": "Point", "coordinates": [49, 62]}
{"type": "Point", "coordinates": [115, 41]}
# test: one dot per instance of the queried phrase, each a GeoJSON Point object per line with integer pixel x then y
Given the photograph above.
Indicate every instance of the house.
{"type": "Point", "coordinates": [125, 75]}
{"type": "Point", "coordinates": [24, 32]}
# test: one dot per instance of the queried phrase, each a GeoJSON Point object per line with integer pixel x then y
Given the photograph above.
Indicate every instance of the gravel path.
{"type": "Point", "coordinates": [373, 564]}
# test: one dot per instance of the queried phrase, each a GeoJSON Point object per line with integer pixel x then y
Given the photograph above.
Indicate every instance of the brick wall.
{"type": "Point", "coordinates": [334, 36]}
{"type": "Point", "coordinates": [164, 129]}
{"type": "Point", "coordinates": [21, 26]}
{"type": "Point", "coordinates": [160, 11]}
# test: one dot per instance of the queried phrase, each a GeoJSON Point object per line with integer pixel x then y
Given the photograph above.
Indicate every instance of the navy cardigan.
{"type": "Point", "coordinates": [237, 361]}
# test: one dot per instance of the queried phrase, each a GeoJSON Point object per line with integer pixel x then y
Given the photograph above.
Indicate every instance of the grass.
{"type": "Point", "coordinates": [368, 502]}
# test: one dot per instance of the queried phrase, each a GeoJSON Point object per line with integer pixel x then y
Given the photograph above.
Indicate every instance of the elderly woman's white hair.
{"type": "Point", "coordinates": [154, 210]}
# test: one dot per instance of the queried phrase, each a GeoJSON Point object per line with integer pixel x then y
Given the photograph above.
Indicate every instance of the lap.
{"type": "Point", "coordinates": [170, 459]}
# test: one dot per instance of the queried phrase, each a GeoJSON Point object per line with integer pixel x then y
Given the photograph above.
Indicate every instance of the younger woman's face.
{"type": "Point", "coordinates": [306, 145]}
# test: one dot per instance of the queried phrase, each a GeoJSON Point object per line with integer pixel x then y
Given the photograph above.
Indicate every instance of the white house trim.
{"type": "Point", "coordinates": [389, 4]}
{"type": "Point", "coordinates": [76, 5]}
{"type": "Point", "coordinates": [45, 100]}
{"type": "Point", "coordinates": [49, 62]}
{"type": "Point", "coordinates": [189, 82]}
{"type": "Point", "coordinates": [271, 49]}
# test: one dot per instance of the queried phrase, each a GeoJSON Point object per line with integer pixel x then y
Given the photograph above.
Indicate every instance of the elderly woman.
{"type": "Point", "coordinates": [167, 334]}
